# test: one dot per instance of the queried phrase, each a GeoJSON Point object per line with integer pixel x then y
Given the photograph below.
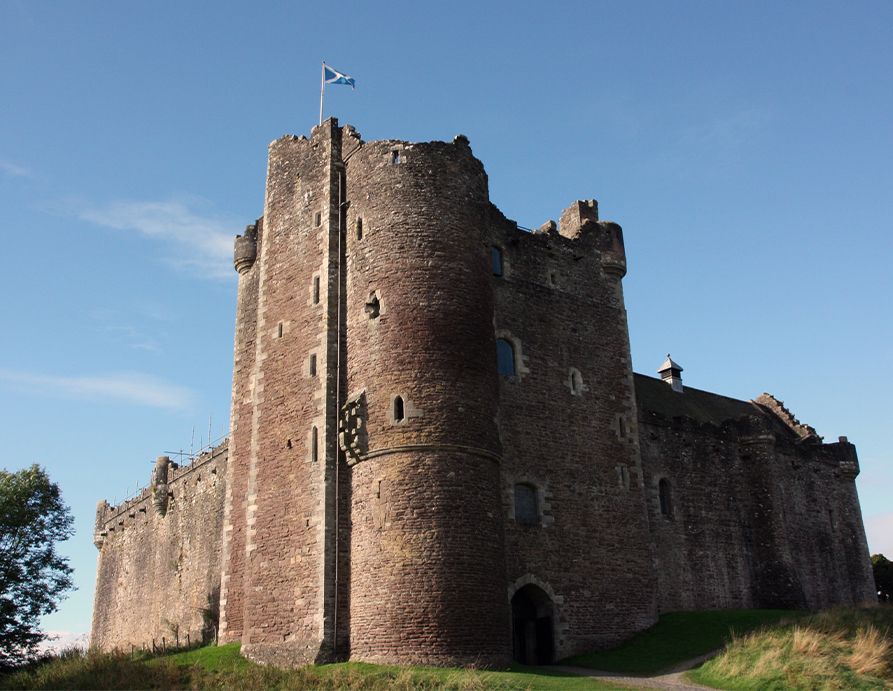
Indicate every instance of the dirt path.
{"type": "Point", "coordinates": [671, 679]}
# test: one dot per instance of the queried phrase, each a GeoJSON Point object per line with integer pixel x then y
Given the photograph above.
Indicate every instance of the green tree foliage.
{"type": "Point", "coordinates": [33, 577]}
{"type": "Point", "coordinates": [883, 576]}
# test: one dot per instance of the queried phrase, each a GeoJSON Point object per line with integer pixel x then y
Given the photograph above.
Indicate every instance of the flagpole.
{"type": "Point", "coordinates": [322, 89]}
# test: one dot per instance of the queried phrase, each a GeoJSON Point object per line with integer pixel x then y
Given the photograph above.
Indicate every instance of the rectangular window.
{"type": "Point", "coordinates": [317, 220]}
{"type": "Point", "coordinates": [312, 365]}
{"type": "Point", "coordinates": [316, 290]}
{"type": "Point", "coordinates": [526, 509]}
{"type": "Point", "coordinates": [496, 261]}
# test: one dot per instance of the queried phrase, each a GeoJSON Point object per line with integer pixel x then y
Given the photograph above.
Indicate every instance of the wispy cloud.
{"type": "Point", "coordinates": [204, 243]}
{"type": "Point", "coordinates": [14, 170]}
{"type": "Point", "coordinates": [127, 387]}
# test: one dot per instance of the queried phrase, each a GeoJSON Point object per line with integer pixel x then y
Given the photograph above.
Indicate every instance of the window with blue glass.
{"type": "Point", "coordinates": [496, 261]}
{"type": "Point", "coordinates": [505, 357]}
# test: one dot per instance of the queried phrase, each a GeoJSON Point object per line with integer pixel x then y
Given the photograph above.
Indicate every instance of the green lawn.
{"type": "Point", "coordinates": [679, 636]}
{"type": "Point", "coordinates": [827, 650]}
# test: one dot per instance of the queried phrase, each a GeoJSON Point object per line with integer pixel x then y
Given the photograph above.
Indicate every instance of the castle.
{"type": "Point", "coordinates": [439, 452]}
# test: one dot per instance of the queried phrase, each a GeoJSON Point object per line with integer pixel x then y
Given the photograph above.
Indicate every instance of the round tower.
{"type": "Point", "coordinates": [427, 560]}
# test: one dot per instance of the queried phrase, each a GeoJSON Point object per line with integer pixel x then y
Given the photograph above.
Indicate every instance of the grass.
{"type": "Point", "coordinates": [677, 637]}
{"type": "Point", "coordinates": [837, 649]}
{"type": "Point", "coordinates": [223, 668]}
{"type": "Point", "coordinates": [767, 649]}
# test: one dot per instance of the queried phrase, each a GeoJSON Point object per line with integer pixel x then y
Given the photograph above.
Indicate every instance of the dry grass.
{"type": "Point", "coordinates": [839, 649]}
{"type": "Point", "coordinates": [871, 652]}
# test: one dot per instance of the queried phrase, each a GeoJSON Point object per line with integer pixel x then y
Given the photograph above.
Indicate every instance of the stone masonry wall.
{"type": "Point", "coordinates": [232, 581]}
{"type": "Point", "coordinates": [755, 520]}
{"type": "Point", "coordinates": [287, 588]}
{"type": "Point", "coordinates": [158, 572]}
{"type": "Point", "coordinates": [364, 506]}
{"type": "Point", "coordinates": [560, 304]}
{"type": "Point", "coordinates": [426, 551]}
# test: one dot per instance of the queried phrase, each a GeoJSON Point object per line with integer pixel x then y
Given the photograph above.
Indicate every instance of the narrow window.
{"type": "Point", "coordinates": [395, 157]}
{"type": "Point", "coordinates": [621, 426]}
{"type": "Point", "coordinates": [496, 261]}
{"type": "Point", "coordinates": [317, 219]}
{"type": "Point", "coordinates": [314, 444]}
{"type": "Point", "coordinates": [279, 330]}
{"type": "Point", "coordinates": [312, 366]}
{"type": "Point", "coordinates": [316, 290]}
{"type": "Point", "coordinates": [831, 519]}
{"type": "Point", "coordinates": [666, 501]}
{"type": "Point", "coordinates": [359, 229]}
{"type": "Point", "coordinates": [552, 280]}
{"type": "Point", "coordinates": [505, 357]}
{"type": "Point", "coordinates": [398, 409]}
{"type": "Point", "coordinates": [526, 509]}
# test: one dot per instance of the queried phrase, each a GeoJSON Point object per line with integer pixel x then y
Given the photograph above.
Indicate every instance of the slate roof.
{"type": "Point", "coordinates": [654, 395]}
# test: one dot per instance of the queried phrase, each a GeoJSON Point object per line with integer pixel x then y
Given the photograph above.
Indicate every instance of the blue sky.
{"type": "Point", "coordinates": [745, 147]}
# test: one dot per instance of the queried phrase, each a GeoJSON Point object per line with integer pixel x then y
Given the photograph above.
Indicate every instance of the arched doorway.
{"type": "Point", "coordinates": [532, 626]}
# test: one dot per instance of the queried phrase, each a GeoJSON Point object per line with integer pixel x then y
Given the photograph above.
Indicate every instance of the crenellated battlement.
{"type": "Point", "coordinates": [167, 481]}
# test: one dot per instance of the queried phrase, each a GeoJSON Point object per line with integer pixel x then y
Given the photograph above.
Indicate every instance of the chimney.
{"type": "Point", "coordinates": [671, 373]}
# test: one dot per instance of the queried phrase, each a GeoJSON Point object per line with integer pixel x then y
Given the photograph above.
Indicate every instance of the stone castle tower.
{"type": "Point", "coordinates": [439, 452]}
{"type": "Point", "coordinates": [366, 312]}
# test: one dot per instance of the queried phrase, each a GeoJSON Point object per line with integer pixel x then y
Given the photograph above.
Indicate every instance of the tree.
{"type": "Point", "coordinates": [33, 577]}
{"type": "Point", "coordinates": [883, 576]}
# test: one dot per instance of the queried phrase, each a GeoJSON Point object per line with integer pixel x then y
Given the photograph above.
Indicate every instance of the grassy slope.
{"type": "Point", "coordinates": [839, 649]}
{"type": "Point", "coordinates": [677, 637]}
{"type": "Point", "coordinates": [224, 668]}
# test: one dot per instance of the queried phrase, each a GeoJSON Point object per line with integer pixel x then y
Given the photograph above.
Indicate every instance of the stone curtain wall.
{"type": "Point", "coordinates": [560, 303]}
{"type": "Point", "coordinates": [158, 572]}
{"type": "Point", "coordinates": [758, 518]}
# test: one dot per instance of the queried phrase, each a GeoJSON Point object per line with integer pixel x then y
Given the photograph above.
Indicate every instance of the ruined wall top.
{"type": "Point", "coordinates": [156, 495]}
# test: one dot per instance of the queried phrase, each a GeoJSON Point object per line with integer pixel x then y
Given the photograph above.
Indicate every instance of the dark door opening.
{"type": "Point", "coordinates": [532, 627]}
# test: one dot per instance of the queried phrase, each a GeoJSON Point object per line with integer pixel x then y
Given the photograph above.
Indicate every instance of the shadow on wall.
{"type": "Point", "coordinates": [211, 617]}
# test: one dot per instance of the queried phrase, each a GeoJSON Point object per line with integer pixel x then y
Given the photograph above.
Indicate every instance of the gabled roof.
{"type": "Point", "coordinates": [656, 396]}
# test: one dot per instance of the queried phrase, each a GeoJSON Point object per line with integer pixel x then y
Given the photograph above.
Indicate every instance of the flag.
{"type": "Point", "coordinates": [333, 76]}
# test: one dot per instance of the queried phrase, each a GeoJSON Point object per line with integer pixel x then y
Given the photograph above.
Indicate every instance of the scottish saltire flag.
{"type": "Point", "coordinates": [333, 76]}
